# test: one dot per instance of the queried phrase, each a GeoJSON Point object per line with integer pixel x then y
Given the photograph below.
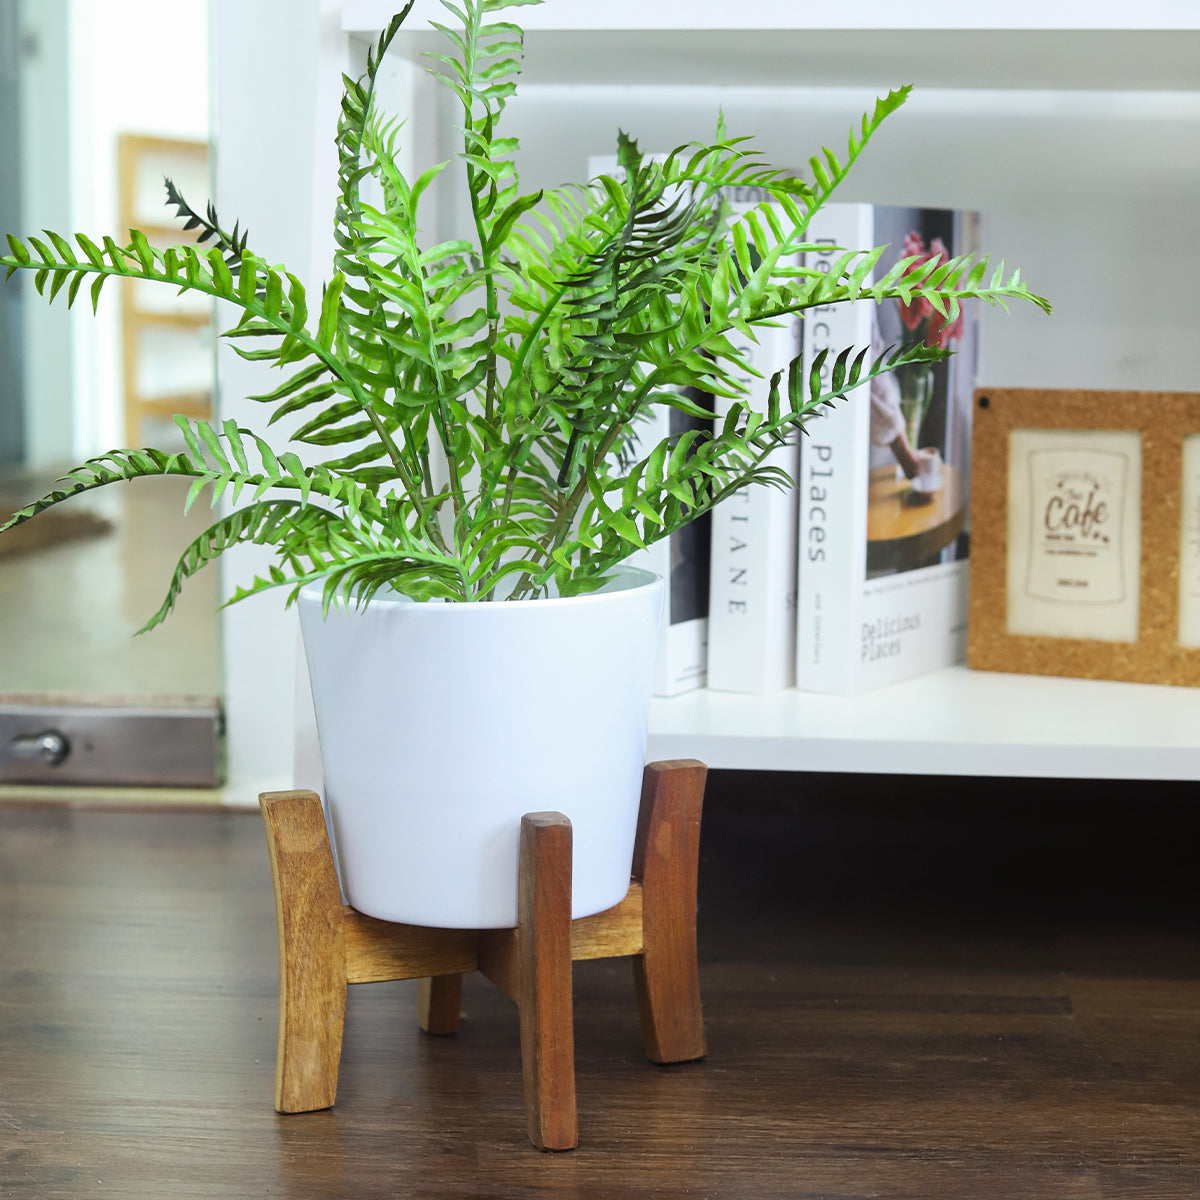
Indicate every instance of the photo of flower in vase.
{"type": "Point", "coordinates": [920, 445]}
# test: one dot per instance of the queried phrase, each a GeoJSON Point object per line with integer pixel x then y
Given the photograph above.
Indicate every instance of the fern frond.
{"type": "Point", "coordinates": [272, 302]}
{"type": "Point", "coordinates": [357, 103]}
{"type": "Point", "coordinates": [684, 477]}
{"type": "Point", "coordinates": [264, 523]}
{"type": "Point", "coordinates": [356, 578]}
{"type": "Point", "coordinates": [521, 356]}
{"type": "Point", "coordinates": [232, 244]}
{"type": "Point", "coordinates": [220, 461]}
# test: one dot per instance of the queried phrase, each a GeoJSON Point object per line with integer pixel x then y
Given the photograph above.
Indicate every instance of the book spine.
{"type": "Point", "coordinates": [683, 659]}
{"type": "Point", "coordinates": [752, 598]}
{"type": "Point", "coordinates": [682, 561]}
{"type": "Point", "coordinates": [832, 483]}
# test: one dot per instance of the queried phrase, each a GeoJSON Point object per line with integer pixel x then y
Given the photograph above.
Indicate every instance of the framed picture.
{"type": "Point", "coordinates": [1085, 543]}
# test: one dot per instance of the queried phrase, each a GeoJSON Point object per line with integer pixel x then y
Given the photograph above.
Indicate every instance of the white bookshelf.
{"type": "Point", "coordinates": [1059, 44]}
{"type": "Point", "coordinates": [369, 16]}
{"type": "Point", "coordinates": [951, 722]}
{"type": "Point", "coordinates": [1075, 126]}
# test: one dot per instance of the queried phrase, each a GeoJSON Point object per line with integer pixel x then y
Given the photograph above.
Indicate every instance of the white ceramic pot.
{"type": "Point", "coordinates": [442, 724]}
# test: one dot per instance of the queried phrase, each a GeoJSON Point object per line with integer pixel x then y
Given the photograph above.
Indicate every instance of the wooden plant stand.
{"type": "Point", "coordinates": [325, 945]}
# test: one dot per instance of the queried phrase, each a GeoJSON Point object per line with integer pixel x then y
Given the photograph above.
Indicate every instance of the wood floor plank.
{"type": "Point", "coordinates": [904, 1031]}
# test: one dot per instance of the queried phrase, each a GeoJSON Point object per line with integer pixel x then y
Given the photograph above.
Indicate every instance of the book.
{"type": "Point", "coordinates": [884, 475]}
{"type": "Point", "coordinates": [682, 558]}
{"type": "Point", "coordinates": [752, 591]}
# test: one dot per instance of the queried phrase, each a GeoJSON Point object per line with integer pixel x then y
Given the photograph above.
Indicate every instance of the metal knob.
{"type": "Point", "coordinates": [51, 747]}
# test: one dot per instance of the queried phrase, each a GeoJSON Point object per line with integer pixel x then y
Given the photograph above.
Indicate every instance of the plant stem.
{"type": "Point", "coordinates": [509, 487]}
{"type": "Point", "coordinates": [566, 514]}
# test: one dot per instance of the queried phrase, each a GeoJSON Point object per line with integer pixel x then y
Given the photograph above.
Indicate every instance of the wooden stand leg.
{"type": "Point", "coordinates": [544, 981]}
{"type": "Point", "coordinates": [312, 957]}
{"type": "Point", "coordinates": [666, 862]}
{"type": "Point", "coordinates": [439, 1002]}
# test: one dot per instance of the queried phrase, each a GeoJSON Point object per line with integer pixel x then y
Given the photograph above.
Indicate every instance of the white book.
{"type": "Point", "coordinates": [752, 592]}
{"type": "Point", "coordinates": [883, 557]}
{"type": "Point", "coordinates": [682, 558]}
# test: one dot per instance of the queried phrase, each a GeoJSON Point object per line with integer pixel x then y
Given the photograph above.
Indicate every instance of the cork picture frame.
{"type": "Point", "coordinates": [1085, 534]}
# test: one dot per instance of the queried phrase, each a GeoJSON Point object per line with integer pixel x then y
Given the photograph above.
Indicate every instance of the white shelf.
{"type": "Point", "coordinates": [1058, 44]}
{"type": "Point", "coordinates": [952, 722]}
{"type": "Point", "coordinates": [682, 15]}
{"type": "Point", "coordinates": [1099, 103]}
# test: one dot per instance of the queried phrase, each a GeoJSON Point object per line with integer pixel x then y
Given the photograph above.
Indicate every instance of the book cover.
{"type": "Point", "coordinates": [884, 477]}
{"type": "Point", "coordinates": [752, 594]}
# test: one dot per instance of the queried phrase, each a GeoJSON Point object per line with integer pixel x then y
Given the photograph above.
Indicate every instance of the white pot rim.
{"type": "Point", "coordinates": [625, 579]}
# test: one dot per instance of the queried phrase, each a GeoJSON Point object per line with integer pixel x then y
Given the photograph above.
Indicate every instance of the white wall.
{"type": "Point", "coordinates": [1091, 193]}
{"type": "Point", "coordinates": [269, 160]}
{"type": "Point", "coordinates": [137, 66]}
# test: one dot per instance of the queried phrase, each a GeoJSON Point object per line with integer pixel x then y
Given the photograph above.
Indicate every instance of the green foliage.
{"type": "Point", "coordinates": [515, 363]}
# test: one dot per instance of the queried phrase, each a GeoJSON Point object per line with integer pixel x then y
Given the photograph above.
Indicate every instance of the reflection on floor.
{"type": "Point", "coordinates": [68, 612]}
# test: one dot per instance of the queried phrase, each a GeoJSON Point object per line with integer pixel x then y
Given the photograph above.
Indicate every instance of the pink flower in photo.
{"type": "Point", "coordinates": [913, 245]}
{"type": "Point", "coordinates": [937, 333]}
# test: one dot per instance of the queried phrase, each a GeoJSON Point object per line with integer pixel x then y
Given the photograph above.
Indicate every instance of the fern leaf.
{"type": "Point", "coordinates": [261, 523]}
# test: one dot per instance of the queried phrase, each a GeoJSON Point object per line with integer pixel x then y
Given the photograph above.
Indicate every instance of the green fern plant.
{"type": "Point", "coordinates": [482, 392]}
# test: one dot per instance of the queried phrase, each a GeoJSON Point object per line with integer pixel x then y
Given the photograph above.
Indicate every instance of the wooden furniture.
{"type": "Point", "coordinates": [142, 162]}
{"type": "Point", "coordinates": [904, 528]}
{"type": "Point", "coordinates": [325, 945]}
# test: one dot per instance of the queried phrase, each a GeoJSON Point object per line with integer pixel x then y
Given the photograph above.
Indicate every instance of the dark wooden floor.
{"type": "Point", "coordinates": [913, 990]}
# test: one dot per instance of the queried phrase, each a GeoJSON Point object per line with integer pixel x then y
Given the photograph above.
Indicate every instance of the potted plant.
{"type": "Point", "coordinates": [476, 647]}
